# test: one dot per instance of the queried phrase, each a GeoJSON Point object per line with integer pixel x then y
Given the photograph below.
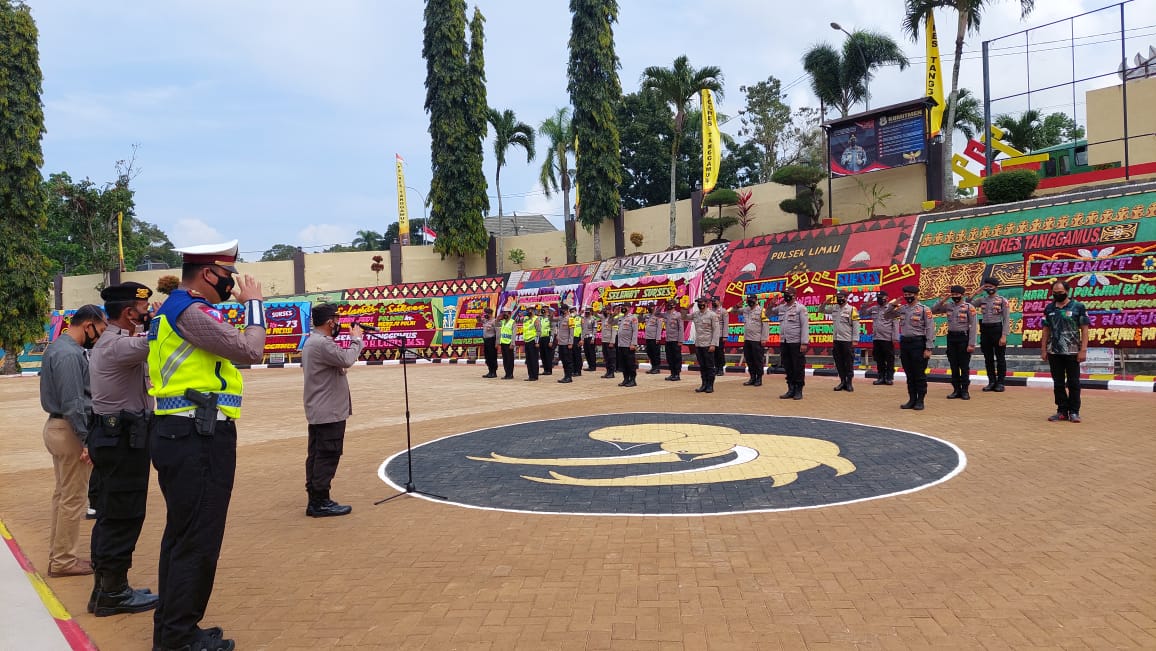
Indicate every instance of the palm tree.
{"type": "Point", "coordinates": [968, 114]}
{"type": "Point", "coordinates": [1025, 132]}
{"type": "Point", "coordinates": [508, 132]}
{"type": "Point", "coordinates": [840, 78]}
{"type": "Point", "coordinates": [969, 13]}
{"type": "Point", "coordinates": [676, 86]}
{"type": "Point", "coordinates": [367, 241]}
{"type": "Point", "coordinates": [556, 173]}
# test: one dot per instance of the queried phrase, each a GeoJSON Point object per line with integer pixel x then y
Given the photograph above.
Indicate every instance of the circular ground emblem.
{"type": "Point", "coordinates": [674, 464]}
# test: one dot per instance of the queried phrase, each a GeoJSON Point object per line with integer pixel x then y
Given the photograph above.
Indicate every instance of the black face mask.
{"type": "Point", "coordinates": [751, 303]}
{"type": "Point", "coordinates": [990, 290]}
{"type": "Point", "coordinates": [881, 300]}
{"type": "Point", "coordinates": [909, 299]}
{"type": "Point", "coordinates": [957, 299]}
{"type": "Point", "coordinates": [841, 301]}
{"type": "Point", "coordinates": [89, 342]}
{"type": "Point", "coordinates": [224, 287]}
{"type": "Point", "coordinates": [1060, 297]}
{"type": "Point", "coordinates": [144, 319]}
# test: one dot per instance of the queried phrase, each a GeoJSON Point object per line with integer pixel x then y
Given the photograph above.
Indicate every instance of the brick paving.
{"type": "Point", "coordinates": [1043, 541]}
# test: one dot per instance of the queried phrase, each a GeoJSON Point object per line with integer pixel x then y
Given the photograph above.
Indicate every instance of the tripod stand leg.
{"type": "Point", "coordinates": [409, 485]}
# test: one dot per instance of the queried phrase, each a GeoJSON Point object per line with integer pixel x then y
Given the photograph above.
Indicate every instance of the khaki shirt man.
{"type": "Point", "coordinates": [794, 324]}
{"type": "Point", "coordinates": [754, 328]}
{"type": "Point", "coordinates": [653, 326]}
{"type": "Point", "coordinates": [844, 320]}
{"type": "Point", "coordinates": [706, 328]}
{"type": "Point", "coordinates": [326, 364]}
{"type": "Point", "coordinates": [882, 328]}
{"type": "Point", "coordinates": [961, 318]}
{"type": "Point", "coordinates": [672, 325]}
{"type": "Point", "coordinates": [627, 331]}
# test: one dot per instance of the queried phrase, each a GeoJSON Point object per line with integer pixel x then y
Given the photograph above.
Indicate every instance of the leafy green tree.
{"type": "Point", "coordinates": [677, 85]}
{"type": "Point", "coordinates": [1031, 130]}
{"type": "Point", "coordinates": [508, 132]}
{"type": "Point", "coordinates": [645, 150]}
{"type": "Point", "coordinates": [24, 276]}
{"type": "Point", "coordinates": [372, 240]}
{"type": "Point", "coordinates": [968, 14]}
{"type": "Point", "coordinates": [720, 223]}
{"type": "Point", "coordinates": [595, 93]}
{"type": "Point", "coordinates": [808, 200]}
{"type": "Point", "coordinates": [416, 236]}
{"type": "Point", "coordinates": [968, 114]}
{"type": "Point", "coordinates": [766, 120]}
{"type": "Point", "coordinates": [556, 173]}
{"type": "Point", "coordinates": [456, 102]}
{"type": "Point", "coordinates": [279, 252]}
{"type": "Point", "coordinates": [840, 79]}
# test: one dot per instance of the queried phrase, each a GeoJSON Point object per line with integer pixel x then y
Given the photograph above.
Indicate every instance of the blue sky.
{"type": "Point", "coordinates": [278, 121]}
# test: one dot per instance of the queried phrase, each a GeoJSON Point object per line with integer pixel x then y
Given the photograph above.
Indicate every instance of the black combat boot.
{"type": "Point", "coordinates": [919, 400]}
{"type": "Point", "coordinates": [790, 392]}
{"type": "Point", "coordinates": [798, 391]}
{"type": "Point", "coordinates": [115, 596]}
{"type": "Point", "coordinates": [842, 384]}
{"type": "Point", "coordinates": [963, 392]}
{"type": "Point", "coordinates": [910, 404]}
{"type": "Point", "coordinates": [954, 392]}
{"type": "Point", "coordinates": [847, 383]}
{"type": "Point", "coordinates": [882, 379]}
{"type": "Point", "coordinates": [759, 380]}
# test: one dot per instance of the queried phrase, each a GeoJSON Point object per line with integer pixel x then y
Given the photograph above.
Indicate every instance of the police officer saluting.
{"type": "Point", "coordinates": [794, 336]}
{"type": "Point", "coordinates": [506, 340]}
{"type": "Point", "coordinates": [672, 338]}
{"type": "Point", "coordinates": [490, 342]}
{"type": "Point", "coordinates": [755, 332]}
{"type": "Point", "coordinates": [589, 328]}
{"type": "Point", "coordinates": [995, 315]}
{"type": "Point", "coordinates": [706, 329]}
{"type": "Point", "coordinates": [628, 347]}
{"type": "Point", "coordinates": [118, 447]}
{"type": "Point", "coordinates": [961, 334]}
{"type": "Point", "coordinates": [845, 323]}
{"type": "Point", "coordinates": [564, 343]}
{"type": "Point", "coordinates": [193, 440]}
{"type": "Point", "coordinates": [650, 334]}
{"type": "Point", "coordinates": [916, 339]}
{"type": "Point", "coordinates": [883, 338]}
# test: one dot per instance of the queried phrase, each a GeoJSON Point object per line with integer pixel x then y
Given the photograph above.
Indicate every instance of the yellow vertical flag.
{"type": "Point", "coordinates": [710, 143]}
{"type": "Point", "coordinates": [402, 210]}
{"type": "Point", "coordinates": [120, 237]}
{"type": "Point", "coordinates": [934, 76]}
{"type": "Point", "coordinates": [576, 204]}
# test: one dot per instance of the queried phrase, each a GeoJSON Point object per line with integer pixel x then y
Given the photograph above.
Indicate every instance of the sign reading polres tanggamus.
{"type": "Point", "coordinates": [674, 464]}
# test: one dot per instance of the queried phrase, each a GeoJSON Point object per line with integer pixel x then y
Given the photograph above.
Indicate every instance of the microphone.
{"type": "Point", "coordinates": [366, 327]}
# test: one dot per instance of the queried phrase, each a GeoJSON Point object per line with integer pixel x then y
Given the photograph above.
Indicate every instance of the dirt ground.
{"type": "Point", "coordinates": [1045, 540]}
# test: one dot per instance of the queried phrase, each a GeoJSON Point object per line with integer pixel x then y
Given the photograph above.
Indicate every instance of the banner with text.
{"type": "Point", "coordinates": [878, 143]}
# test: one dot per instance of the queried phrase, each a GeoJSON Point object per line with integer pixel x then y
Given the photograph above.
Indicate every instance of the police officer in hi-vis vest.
{"type": "Point", "coordinates": [506, 341]}
{"type": "Point", "coordinates": [574, 322]}
{"type": "Point", "coordinates": [118, 447]}
{"type": "Point", "coordinates": [193, 439]}
{"type": "Point", "coordinates": [530, 342]}
{"type": "Point", "coordinates": [545, 336]}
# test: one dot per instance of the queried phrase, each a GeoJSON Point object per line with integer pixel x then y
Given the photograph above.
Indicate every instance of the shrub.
{"type": "Point", "coordinates": [1014, 185]}
{"type": "Point", "coordinates": [166, 284]}
{"type": "Point", "coordinates": [636, 239]}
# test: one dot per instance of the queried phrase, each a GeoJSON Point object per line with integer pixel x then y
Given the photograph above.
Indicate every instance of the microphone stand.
{"type": "Point", "coordinates": [410, 487]}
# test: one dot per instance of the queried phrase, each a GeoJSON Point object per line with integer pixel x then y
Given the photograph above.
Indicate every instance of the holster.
{"type": "Point", "coordinates": [206, 412]}
{"type": "Point", "coordinates": [127, 423]}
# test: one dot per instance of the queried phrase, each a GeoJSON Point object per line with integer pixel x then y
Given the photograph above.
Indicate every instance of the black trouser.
{"type": "Point", "coordinates": [591, 353]}
{"type": "Point", "coordinates": [794, 362]}
{"type": "Point", "coordinates": [884, 352]}
{"type": "Point", "coordinates": [705, 359]}
{"type": "Point", "coordinates": [959, 359]}
{"type": "Point", "coordinates": [326, 443]}
{"type": "Point", "coordinates": [653, 354]}
{"type": "Point", "coordinates": [993, 353]}
{"type": "Point", "coordinates": [914, 366]}
{"type": "Point", "coordinates": [674, 357]}
{"type": "Point", "coordinates": [628, 363]}
{"type": "Point", "coordinates": [532, 359]}
{"type": "Point", "coordinates": [195, 474]}
{"type": "Point", "coordinates": [546, 352]}
{"type": "Point", "coordinates": [844, 354]}
{"type": "Point", "coordinates": [755, 355]}
{"type": "Point", "coordinates": [576, 358]}
{"type": "Point", "coordinates": [609, 357]}
{"type": "Point", "coordinates": [720, 355]}
{"type": "Point", "coordinates": [508, 359]}
{"type": "Point", "coordinates": [566, 357]}
{"type": "Point", "coordinates": [120, 503]}
{"type": "Point", "coordinates": [490, 348]}
{"type": "Point", "coordinates": [1065, 382]}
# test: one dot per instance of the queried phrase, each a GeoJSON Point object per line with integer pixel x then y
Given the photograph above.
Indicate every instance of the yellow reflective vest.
{"type": "Point", "coordinates": [506, 333]}
{"type": "Point", "coordinates": [530, 329]}
{"type": "Point", "coordinates": [176, 365]}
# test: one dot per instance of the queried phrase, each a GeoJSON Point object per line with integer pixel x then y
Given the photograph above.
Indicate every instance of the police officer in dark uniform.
{"type": "Point", "coordinates": [193, 439]}
{"type": "Point", "coordinates": [118, 447]}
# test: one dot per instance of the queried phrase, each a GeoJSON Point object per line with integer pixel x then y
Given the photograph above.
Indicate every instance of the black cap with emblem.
{"type": "Point", "coordinates": [126, 293]}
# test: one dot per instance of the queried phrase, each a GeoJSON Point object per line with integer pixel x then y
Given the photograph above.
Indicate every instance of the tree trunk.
{"type": "Point", "coordinates": [9, 366]}
{"type": "Point", "coordinates": [597, 241]}
{"type": "Point", "coordinates": [498, 187]}
{"type": "Point", "coordinates": [571, 240]}
{"type": "Point", "coordinates": [673, 190]}
{"type": "Point", "coordinates": [461, 266]}
{"type": "Point", "coordinates": [948, 127]}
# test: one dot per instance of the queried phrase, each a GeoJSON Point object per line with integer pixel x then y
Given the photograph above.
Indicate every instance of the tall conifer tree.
{"type": "Point", "coordinates": [595, 93]}
{"type": "Point", "coordinates": [456, 102]}
{"type": "Point", "coordinates": [24, 281]}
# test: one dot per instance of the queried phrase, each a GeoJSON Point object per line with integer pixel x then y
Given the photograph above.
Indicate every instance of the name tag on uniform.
{"type": "Point", "coordinates": [963, 317]}
{"type": "Point", "coordinates": [916, 318]}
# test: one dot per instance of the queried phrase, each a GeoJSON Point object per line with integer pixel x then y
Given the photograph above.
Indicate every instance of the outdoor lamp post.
{"type": "Point", "coordinates": [866, 69]}
{"type": "Point", "coordinates": [424, 206]}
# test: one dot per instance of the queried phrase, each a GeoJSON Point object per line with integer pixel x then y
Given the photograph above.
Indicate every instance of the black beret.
{"type": "Point", "coordinates": [958, 289]}
{"type": "Point", "coordinates": [911, 289]}
{"type": "Point", "coordinates": [701, 299]}
{"type": "Point", "coordinates": [789, 290]}
{"type": "Point", "coordinates": [842, 292]}
{"type": "Point", "coordinates": [882, 293]}
{"type": "Point", "coordinates": [991, 280]}
{"type": "Point", "coordinates": [125, 292]}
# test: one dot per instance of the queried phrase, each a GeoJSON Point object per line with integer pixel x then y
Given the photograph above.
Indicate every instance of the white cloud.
{"type": "Point", "coordinates": [191, 231]}
{"type": "Point", "coordinates": [535, 202]}
{"type": "Point", "coordinates": [324, 235]}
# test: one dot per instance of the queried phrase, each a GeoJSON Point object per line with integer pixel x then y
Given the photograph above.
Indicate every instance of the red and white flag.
{"type": "Point", "coordinates": [429, 234]}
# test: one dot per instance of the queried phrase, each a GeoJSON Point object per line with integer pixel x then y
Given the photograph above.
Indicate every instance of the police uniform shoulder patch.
{"type": "Point", "coordinates": [213, 312]}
